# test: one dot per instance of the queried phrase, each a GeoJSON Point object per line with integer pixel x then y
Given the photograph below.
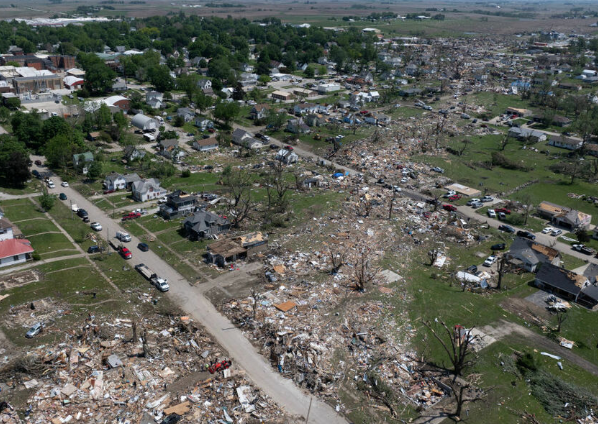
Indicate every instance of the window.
{"type": "Point", "coordinates": [15, 257]}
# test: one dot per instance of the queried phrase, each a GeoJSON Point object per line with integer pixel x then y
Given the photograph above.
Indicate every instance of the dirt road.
{"type": "Point", "coordinates": [192, 301]}
{"type": "Point", "coordinates": [505, 328]}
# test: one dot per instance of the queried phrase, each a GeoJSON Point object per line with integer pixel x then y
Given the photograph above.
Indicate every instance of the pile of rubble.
{"type": "Point", "coordinates": [133, 370]}
{"type": "Point", "coordinates": [323, 334]}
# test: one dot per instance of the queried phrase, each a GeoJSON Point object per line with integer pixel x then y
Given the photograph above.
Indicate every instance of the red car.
{"type": "Point", "coordinates": [131, 215]}
{"type": "Point", "coordinates": [503, 210]}
{"type": "Point", "coordinates": [454, 197]}
{"type": "Point", "coordinates": [211, 130]}
{"type": "Point", "coordinates": [449, 208]}
{"type": "Point", "coordinates": [125, 253]}
{"type": "Point", "coordinates": [289, 147]}
{"type": "Point", "coordinates": [108, 191]}
{"type": "Point", "coordinates": [364, 112]}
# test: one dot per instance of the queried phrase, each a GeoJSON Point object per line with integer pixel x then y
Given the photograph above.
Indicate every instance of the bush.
{"type": "Point", "coordinates": [583, 236]}
{"type": "Point", "coordinates": [186, 173]}
{"type": "Point", "coordinates": [526, 363]}
{"type": "Point", "coordinates": [499, 159]}
{"type": "Point", "coordinates": [36, 256]}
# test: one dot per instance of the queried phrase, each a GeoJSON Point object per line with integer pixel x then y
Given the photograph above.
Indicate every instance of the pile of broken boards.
{"type": "Point", "coordinates": [303, 328]}
{"type": "Point", "coordinates": [99, 374]}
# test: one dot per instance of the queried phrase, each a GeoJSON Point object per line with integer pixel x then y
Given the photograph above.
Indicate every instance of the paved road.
{"type": "Point", "coordinates": [191, 300]}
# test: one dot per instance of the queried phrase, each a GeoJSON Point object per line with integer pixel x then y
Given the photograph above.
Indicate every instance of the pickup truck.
{"type": "Point", "coordinates": [123, 251]}
{"type": "Point", "coordinates": [131, 215]}
{"type": "Point", "coordinates": [160, 283]}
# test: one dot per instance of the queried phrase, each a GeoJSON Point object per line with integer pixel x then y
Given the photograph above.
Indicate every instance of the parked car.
{"type": "Point", "coordinates": [38, 162]}
{"type": "Point", "coordinates": [51, 184]}
{"type": "Point", "coordinates": [82, 213]}
{"type": "Point", "coordinates": [438, 169]}
{"type": "Point", "coordinates": [96, 226]}
{"type": "Point", "coordinates": [94, 249]}
{"type": "Point", "coordinates": [64, 184]}
{"type": "Point", "coordinates": [491, 213]}
{"type": "Point", "coordinates": [476, 205]}
{"type": "Point", "coordinates": [449, 208]}
{"type": "Point", "coordinates": [62, 196]}
{"type": "Point", "coordinates": [503, 210]}
{"type": "Point", "coordinates": [454, 197]}
{"type": "Point", "coordinates": [547, 230]}
{"type": "Point", "coordinates": [490, 260]}
{"type": "Point", "coordinates": [506, 228]}
{"type": "Point", "coordinates": [211, 130]}
{"type": "Point", "coordinates": [498, 246]}
{"type": "Point", "coordinates": [273, 146]}
{"type": "Point", "coordinates": [487, 199]}
{"type": "Point", "coordinates": [86, 219]}
{"type": "Point", "coordinates": [526, 234]}
{"type": "Point", "coordinates": [34, 330]}
{"type": "Point", "coordinates": [472, 269]}
{"type": "Point", "coordinates": [556, 232]}
{"type": "Point", "coordinates": [583, 249]}
{"type": "Point", "coordinates": [501, 215]}
{"type": "Point", "coordinates": [143, 247]}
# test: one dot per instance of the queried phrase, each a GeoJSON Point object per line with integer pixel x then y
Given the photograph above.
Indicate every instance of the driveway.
{"type": "Point", "coordinates": [191, 300]}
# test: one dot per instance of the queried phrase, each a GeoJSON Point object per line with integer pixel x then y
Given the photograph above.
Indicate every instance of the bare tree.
{"type": "Point", "coordinates": [560, 317]}
{"type": "Point", "coordinates": [337, 256]}
{"type": "Point", "coordinates": [364, 271]}
{"type": "Point", "coordinates": [239, 184]}
{"type": "Point", "coordinates": [503, 268]}
{"type": "Point", "coordinates": [459, 347]}
{"type": "Point", "coordinates": [503, 142]}
{"type": "Point", "coordinates": [465, 391]}
{"type": "Point", "coordinates": [464, 145]}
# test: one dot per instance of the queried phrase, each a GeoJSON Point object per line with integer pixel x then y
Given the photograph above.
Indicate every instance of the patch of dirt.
{"type": "Point", "coordinates": [19, 279]}
{"type": "Point", "coordinates": [528, 311]}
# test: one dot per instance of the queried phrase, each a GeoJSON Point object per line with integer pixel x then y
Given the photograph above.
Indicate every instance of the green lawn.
{"type": "Point", "coordinates": [496, 104]}
{"type": "Point", "coordinates": [49, 243]}
{"type": "Point", "coordinates": [472, 169]}
{"type": "Point", "coordinates": [20, 209]}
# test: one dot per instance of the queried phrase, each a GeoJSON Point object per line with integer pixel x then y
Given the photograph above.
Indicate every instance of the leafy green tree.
{"type": "Point", "coordinates": [27, 127]}
{"type": "Point", "coordinates": [264, 79]}
{"type": "Point", "coordinates": [56, 125]}
{"type": "Point", "coordinates": [99, 79]}
{"type": "Point", "coordinates": [160, 78]}
{"type": "Point", "coordinates": [58, 151]}
{"type": "Point", "coordinates": [47, 201]}
{"type": "Point", "coordinates": [178, 121]}
{"type": "Point", "coordinates": [119, 119]}
{"type": "Point", "coordinates": [14, 161]}
{"type": "Point", "coordinates": [239, 93]}
{"type": "Point", "coordinates": [103, 116]}
{"type": "Point", "coordinates": [219, 68]}
{"type": "Point", "coordinates": [309, 71]}
{"type": "Point", "coordinates": [13, 103]}
{"type": "Point", "coordinates": [202, 102]}
{"type": "Point", "coordinates": [4, 114]}
{"type": "Point", "coordinates": [95, 170]}
{"type": "Point", "coordinates": [276, 119]}
{"type": "Point", "coordinates": [226, 111]}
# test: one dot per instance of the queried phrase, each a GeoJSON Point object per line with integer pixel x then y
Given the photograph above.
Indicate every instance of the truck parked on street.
{"type": "Point", "coordinates": [160, 283]}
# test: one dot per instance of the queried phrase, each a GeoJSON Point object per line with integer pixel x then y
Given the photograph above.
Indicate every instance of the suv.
{"type": "Point", "coordinates": [34, 330]}
{"type": "Point", "coordinates": [506, 228]}
{"type": "Point", "coordinates": [94, 249]}
{"type": "Point", "coordinates": [82, 213]}
{"type": "Point", "coordinates": [526, 234]}
{"type": "Point", "coordinates": [490, 260]}
{"type": "Point", "coordinates": [487, 199]}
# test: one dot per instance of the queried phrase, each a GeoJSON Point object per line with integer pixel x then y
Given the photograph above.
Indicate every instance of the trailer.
{"type": "Point", "coordinates": [145, 271]}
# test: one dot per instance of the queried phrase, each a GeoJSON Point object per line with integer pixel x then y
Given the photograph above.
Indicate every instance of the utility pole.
{"type": "Point", "coordinates": [309, 409]}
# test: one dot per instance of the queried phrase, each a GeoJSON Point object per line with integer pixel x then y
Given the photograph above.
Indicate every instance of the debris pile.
{"type": "Point", "coordinates": [134, 370]}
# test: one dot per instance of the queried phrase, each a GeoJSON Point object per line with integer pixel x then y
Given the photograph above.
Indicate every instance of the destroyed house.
{"type": "Point", "coordinates": [253, 242]}
{"type": "Point", "coordinates": [529, 255]}
{"type": "Point", "coordinates": [205, 224]}
{"type": "Point", "coordinates": [565, 217]}
{"type": "Point", "coordinates": [225, 251]}
{"type": "Point", "coordinates": [567, 285]}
